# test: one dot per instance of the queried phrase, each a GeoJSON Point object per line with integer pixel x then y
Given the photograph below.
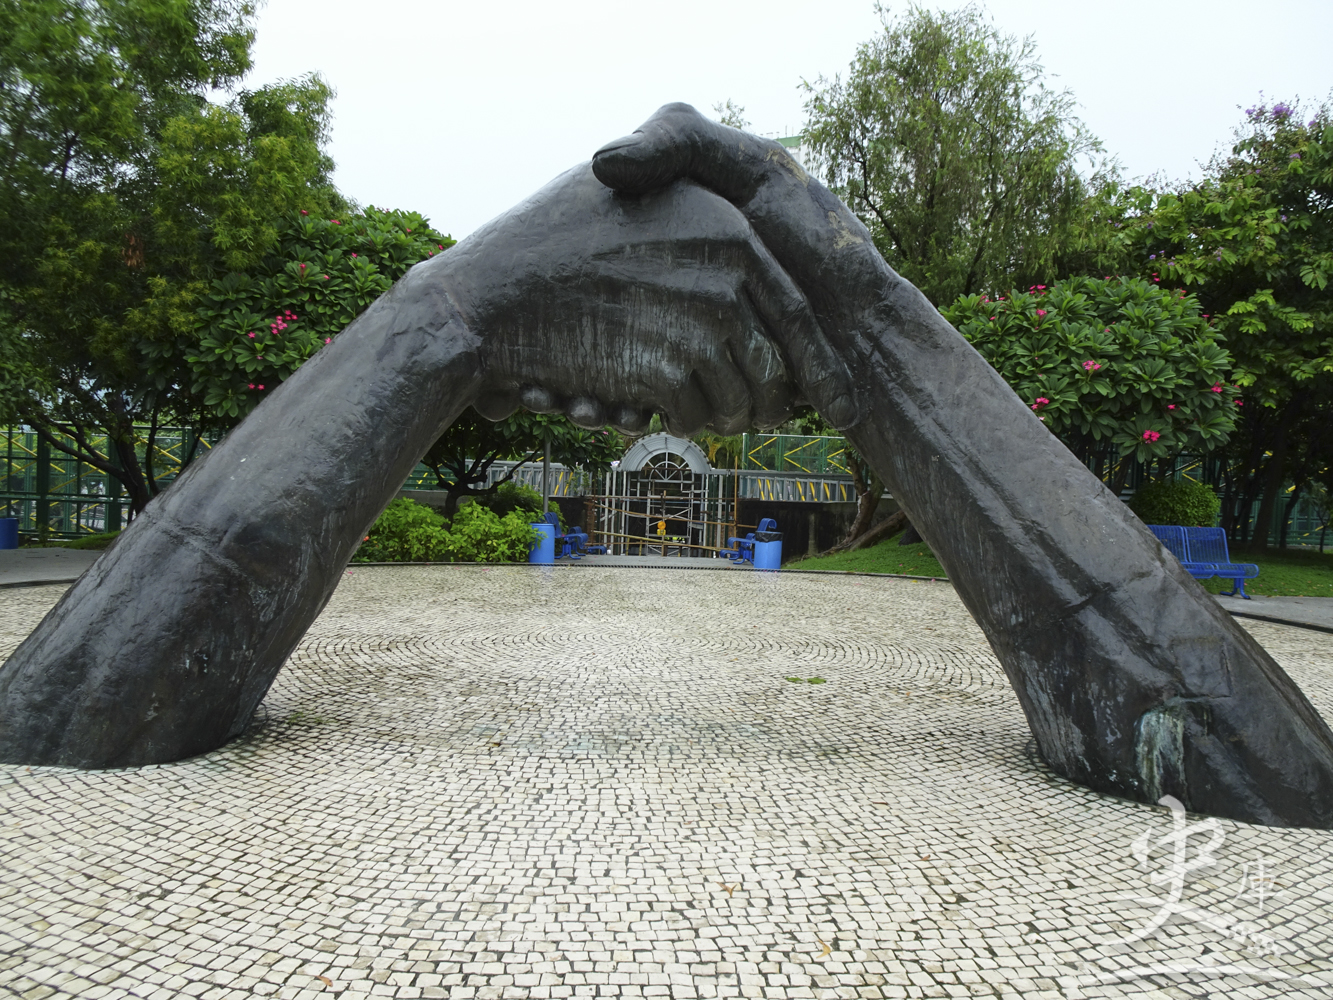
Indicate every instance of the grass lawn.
{"type": "Point", "coordinates": [96, 542]}
{"type": "Point", "coordinates": [885, 557]}
{"type": "Point", "coordinates": [1294, 573]}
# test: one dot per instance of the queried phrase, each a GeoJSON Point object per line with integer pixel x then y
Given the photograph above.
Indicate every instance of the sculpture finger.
{"type": "Point", "coordinates": [759, 364]}
{"type": "Point", "coordinates": [586, 412]}
{"type": "Point", "coordinates": [630, 420]}
{"type": "Point", "coordinates": [539, 399]}
{"type": "Point", "coordinates": [791, 323]}
{"type": "Point", "coordinates": [689, 411]}
{"type": "Point", "coordinates": [496, 404]}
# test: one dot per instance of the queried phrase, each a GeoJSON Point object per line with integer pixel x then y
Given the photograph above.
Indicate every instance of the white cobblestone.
{"type": "Point", "coordinates": [517, 782]}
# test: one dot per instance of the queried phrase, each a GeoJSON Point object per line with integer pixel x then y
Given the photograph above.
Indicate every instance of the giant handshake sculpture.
{"type": "Point", "coordinates": [696, 271]}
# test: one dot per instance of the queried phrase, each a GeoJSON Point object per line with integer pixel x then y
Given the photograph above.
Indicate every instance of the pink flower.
{"type": "Point", "coordinates": [1239, 403]}
{"type": "Point", "coordinates": [992, 317]}
{"type": "Point", "coordinates": [261, 387]}
{"type": "Point", "coordinates": [353, 255]}
{"type": "Point", "coordinates": [326, 277]}
{"type": "Point", "coordinates": [252, 335]}
{"type": "Point", "coordinates": [1170, 406]}
{"type": "Point", "coordinates": [303, 212]}
{"type": "Point", "coordinates": [1040, 287]}
{"type": "Point", "coordinates": [1217, 387]}
{"type": "Point", "coordinates": [1150, 435]}
{"type": "Point", "coordinates": [1041, 312]}
{"type": "Point", "coordinates": [335, 222]}
{"type": "Point", "coordinates": [328, 340]}
{"type": "Point", "coordinates": [302, 267]}
{"type": "Point", "coordinates": [409, 230]}
{"type": "Point", "coordinates": [252, 385]}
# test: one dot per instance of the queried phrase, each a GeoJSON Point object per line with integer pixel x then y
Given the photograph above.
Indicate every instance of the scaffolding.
{"type": "Point", "coordinates": [54, 494]}
{"type": "Point", "coordinates": [665, 508]}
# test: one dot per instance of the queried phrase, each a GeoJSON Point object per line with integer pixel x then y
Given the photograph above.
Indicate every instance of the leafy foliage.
{"type": "Point", "coordinates": [406, 532]}
{"type": "Point", "coordinates": [1118, 362]}
{"type": "Point", "coordinates": [1254, 242]}
{"type": "Point", "coordinates": [462, 456]}
{"type": "Point", "coordinates": [258, 327]}
{"type": "Point", "coordinates": [732, 114]}
{"type": "Point", "coordinates": [945, 141]}
{"type": "Point", "coordinates": [1180, 501]}
{"type": "Point", "coordinates": [479, 535]}
{"type": "Point", "coordinates": [124, 191]}
{"type": "Point", "coordinates": [511, 496]}
{"type": "Point", "coordinates": [411, 532]}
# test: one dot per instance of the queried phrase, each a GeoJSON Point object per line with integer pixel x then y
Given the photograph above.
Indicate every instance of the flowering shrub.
{"type": "Point", "coordinates": [1120, 361]}
{"type": "Point", "coordinates": [1182, 501]}
{"type": "Point", "coordinates": [411, 532]}
{"type": "Point", "coordinates": [258, 327]}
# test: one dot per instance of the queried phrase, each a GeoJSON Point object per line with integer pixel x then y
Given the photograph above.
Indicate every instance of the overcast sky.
{"type": "Point", "coordinates": [458, 110]}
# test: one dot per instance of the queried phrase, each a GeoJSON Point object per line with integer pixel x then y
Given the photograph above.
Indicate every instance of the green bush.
{"type": "Point", "coordinates": [1181, 501]}
{"type": "Point", "coordinates": [411, 532]}
{"type": "Point", "coordinates": [1119, 361]}
{"type": "Point", "coordinates": [480, 535]}
{"type": "Point", "coordinates": [406, 532]}
{"type": "Point", "coordinates": [512, 496]}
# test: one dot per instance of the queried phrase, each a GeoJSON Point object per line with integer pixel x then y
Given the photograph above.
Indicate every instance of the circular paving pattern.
{"type": "Point", "coordinates": [526, 782]}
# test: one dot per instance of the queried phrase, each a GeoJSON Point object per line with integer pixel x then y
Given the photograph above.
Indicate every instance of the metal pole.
{"type": "Point", "coordinates": [43, 485]}
{"type": "Point", "coordinates": [546, 478]}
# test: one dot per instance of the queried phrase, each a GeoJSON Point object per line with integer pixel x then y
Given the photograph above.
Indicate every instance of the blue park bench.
{"type": "Point", "coordinates": [744, 547]}
{"type": "Point", "coordinates": [1203, 554]}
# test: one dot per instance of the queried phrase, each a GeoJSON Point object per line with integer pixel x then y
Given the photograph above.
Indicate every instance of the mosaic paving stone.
{"type": "Point", "coordinates": [523, 782]}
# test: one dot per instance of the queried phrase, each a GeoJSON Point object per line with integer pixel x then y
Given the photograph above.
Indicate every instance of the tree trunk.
{"type": "Point", "coordinates": [867, 500]}
{"type": "Point", "coordinates": [892, 524]}
{"type": "Point", "coordinates": [1288, 510]}
{"type": "Point", "coordinates": [1274, 473]}
{"type": "Point", "coordinates": [1121, 475]}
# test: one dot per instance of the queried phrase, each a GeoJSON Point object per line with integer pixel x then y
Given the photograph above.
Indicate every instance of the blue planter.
{"type": "Point", "coordinates": [543, 550]}
{"type": "Point", "coordinates": [9, 532]}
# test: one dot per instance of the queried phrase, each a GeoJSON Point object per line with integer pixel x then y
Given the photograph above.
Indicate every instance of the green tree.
{"type": "Point", "coordinates": [732, 114]}
{"type": "Point", "coordinates": [253, 328]}
{"type": "Point", "coordinates": [125, 191]}
{"type": "Point", "coordinates": [462, 456]}
{"type": "Point", "coordinates": [948, 145]}
{"type": "Point", "coordinates": [1115, 367]}
{"type": "Point", "coordinates": [1254, 243]}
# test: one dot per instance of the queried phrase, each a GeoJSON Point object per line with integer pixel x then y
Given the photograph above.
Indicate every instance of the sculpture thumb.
{"type": "Point", "coordinates": [677, 141]}
{"type": "Point", "coordinates": [648, 159]}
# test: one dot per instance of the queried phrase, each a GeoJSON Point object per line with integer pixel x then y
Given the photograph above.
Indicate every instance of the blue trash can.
{"type": "Point", "coordinates": [543, 550]}
{"type": "Point", "coordinates": [768, 555]}
{"type": "Point", "coordinates": [9, 532]}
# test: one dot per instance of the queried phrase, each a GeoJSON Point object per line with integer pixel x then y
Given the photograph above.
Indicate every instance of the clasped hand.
{"type": "Point", "coordinates": [609, 307]}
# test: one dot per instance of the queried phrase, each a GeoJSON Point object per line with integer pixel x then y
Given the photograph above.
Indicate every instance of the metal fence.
{"type": "Point", "coordinates": [56, 494]}
{"type": "Point", "coordinates": [49, 491]}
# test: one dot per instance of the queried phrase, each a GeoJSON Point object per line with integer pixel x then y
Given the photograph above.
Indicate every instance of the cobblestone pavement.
{"type": "Point", "coordinates": [521, 782]}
